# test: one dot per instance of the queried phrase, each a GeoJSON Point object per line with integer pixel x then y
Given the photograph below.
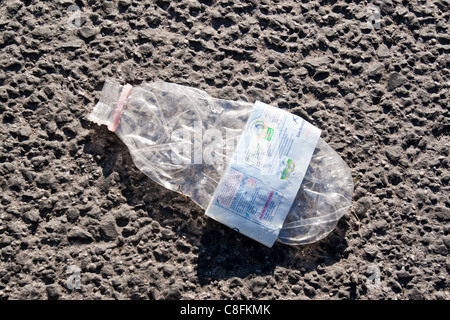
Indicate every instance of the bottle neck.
{"type": "Point", "coordinates": [126, 90]}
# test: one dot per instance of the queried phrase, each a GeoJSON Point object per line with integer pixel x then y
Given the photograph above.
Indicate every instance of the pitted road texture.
{"type": "Point", "coordinates": [79, 221]}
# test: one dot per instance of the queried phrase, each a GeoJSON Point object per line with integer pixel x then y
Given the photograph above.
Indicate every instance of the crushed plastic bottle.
{"type": "Point", "coordinates": [184, 140]}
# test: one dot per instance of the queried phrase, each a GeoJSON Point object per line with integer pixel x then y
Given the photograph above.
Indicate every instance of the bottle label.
{"type": "Point", "coordinates": [264, 176]}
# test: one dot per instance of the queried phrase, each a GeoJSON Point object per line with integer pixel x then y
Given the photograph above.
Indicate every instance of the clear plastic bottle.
{"type": "Point", "coordinates": [171, 129]}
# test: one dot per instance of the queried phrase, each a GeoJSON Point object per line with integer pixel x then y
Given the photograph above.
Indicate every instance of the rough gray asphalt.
{"type": "Point", "coordinates": [71, 198]}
